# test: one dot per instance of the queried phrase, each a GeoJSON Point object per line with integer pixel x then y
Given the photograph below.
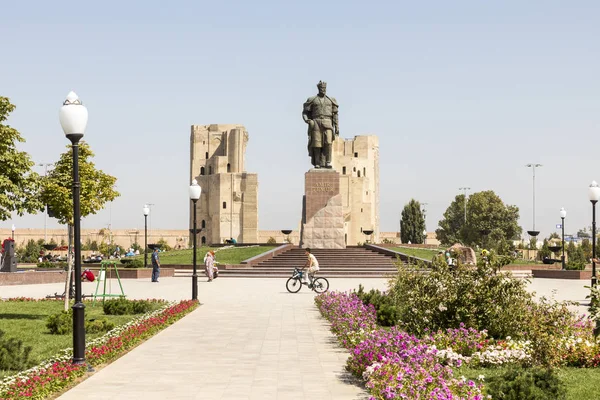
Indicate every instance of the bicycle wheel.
{"type": "Point", "coordinates": [293, 285]}
{"type": "Point", "coordinates": [320, 285]}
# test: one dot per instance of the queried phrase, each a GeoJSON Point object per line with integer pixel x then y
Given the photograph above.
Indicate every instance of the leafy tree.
{"type": "Point", "coordinates": [97, 188]}
{"type": "Point", "coordinates": [586, 247]}
{"type": "Point", "coordinates": [450, 230]}
{"type": "Point", "coordinates": [554, 235]}
{"type": "Point", "coordinates": [412, 224]}
{"type": "Point", "coordinates": [18, 184]}
{"type": "Point", "coordinates": [489, 221]}
{"type": "Point", "coordinates": [544, 251]}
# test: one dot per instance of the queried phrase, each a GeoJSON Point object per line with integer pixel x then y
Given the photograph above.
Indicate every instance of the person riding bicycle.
{"type": "Point", "coordinates": [313, 266]}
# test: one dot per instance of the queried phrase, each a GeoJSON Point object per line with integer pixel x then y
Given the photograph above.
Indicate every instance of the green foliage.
{"type": "Point", "coordinates": [132, 263]}
{"type": "Point", "coordinates": [490, 223]}
{"type": "Point", "coordinates": [544, 251]}
{"type": "Point", "coordinates": [60, 323]}
{"type": "Point", "coordinates": [164, 246]}
{"type": "Point", "coordinates": [412, 223]}
{"type": "Point", "coordinates": [481, 298]}
{"type": "Point", "coordinates": [90, 245]}
{"type": "Point", "coordinates": [13, 355]}
{"type": "Point", "coordinates": [586, 247]}
{"type": "Point", "coordinates": [577, 259]}
{"type": "Point", "coordinates": [97, 187]}
{"type": "Point", "coordinates": [19, 185]}
{"type": "Point", "coordinates": [122, 306]}
{"type": "Point", "coordinates": [49, 265]}
{"type": "Point", "coordinates": [387, 312]}
{"type": "Point", "coordinates": [271, 240]}
{"type": "Point", "coordinates": [526, 384]}
{"type": "Point", "coordinates": [136, 246]}
{"type": "Point", "coordinates": [30, 253]}
{"type": "Point", "coordinates": [554, 235]}
{"type": "Point", "coordinates": [101, 325]}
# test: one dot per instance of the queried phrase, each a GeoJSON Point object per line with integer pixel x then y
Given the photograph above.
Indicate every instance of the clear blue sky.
{"type": "Point", "coordinates": [460, 93]}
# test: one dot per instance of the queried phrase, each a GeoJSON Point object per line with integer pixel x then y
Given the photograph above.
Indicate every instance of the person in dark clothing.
{"type": "Point", "coordinates": [155, 265]}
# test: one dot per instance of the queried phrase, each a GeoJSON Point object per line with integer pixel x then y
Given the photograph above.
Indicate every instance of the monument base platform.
{"type": "Point", "coordinates": [322, 212]}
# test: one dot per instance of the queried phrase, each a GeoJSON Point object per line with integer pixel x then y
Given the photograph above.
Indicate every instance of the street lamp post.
{"type": "Point", "coordinates": [594, 195]}
{"type": "Point", "coordinates": [533, 232]}
{"type": "Point", "coordinates": [13, 231]}
{"type": "Point", "coordinates": [146, 211]}
{"type": "Point", "coordinates": [424, 236]}
{"type": "Point", "coordinates": [464, 189]}
{"type": "Point", "coordinates": [563, 215]}
{"type": "Point", "coordinates": [73, 119]}
{"type": "Point", "coordinates": [195, 191]}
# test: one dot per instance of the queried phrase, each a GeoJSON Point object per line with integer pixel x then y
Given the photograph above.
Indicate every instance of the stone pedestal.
{"type": "Point", "coordinates": [322, 214]}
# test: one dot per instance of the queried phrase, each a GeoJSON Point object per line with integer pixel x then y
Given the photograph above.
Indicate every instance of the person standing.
{"type": "Point", "coordinates": [155, 265]}
{"type": "Point", "coordinates": [209, 261]}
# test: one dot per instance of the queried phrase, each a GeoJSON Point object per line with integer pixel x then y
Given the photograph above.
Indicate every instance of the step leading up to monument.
{"type": "Point", "coordinates": [348, 263]}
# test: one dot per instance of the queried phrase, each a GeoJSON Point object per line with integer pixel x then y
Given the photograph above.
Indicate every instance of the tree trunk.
{"type": "Point", "coordinates": [69, 268]}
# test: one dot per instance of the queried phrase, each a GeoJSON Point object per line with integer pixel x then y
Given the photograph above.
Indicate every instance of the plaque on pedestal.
{"type": "Point", "coordinates": [322, 216]}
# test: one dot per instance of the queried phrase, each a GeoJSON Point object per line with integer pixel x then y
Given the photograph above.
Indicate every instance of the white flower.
{"type": "Point", "coordinates": [481, 377]}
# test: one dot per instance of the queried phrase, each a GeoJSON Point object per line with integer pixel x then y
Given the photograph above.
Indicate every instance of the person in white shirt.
{"type": "Point", "coordinates": [313, 266]}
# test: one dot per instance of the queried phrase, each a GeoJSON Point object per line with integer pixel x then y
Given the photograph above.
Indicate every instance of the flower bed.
{"type": "Point", "coordinates": [59, 373]}
{"type": "Point", "coordinates": [396, 364]}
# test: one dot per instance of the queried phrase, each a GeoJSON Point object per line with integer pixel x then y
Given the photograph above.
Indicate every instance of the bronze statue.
{"type": "Point", "coordinates": [321, 114]}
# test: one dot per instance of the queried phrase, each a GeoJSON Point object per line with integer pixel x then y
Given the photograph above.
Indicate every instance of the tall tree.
{"type": "Point", "coordinates": [97, 188]}
{"type": "Point", "coordinates": [489, 221]}
{"type": "Point", "coordinates": [450, 228]}
{"type": "Point", "coordinates": [412, 224]}
{"type": "Point", "coordinates": [18, 183]}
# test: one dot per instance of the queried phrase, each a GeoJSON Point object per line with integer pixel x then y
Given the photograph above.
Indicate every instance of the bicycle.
{"type": "Point", "coordinates": [294, 284]}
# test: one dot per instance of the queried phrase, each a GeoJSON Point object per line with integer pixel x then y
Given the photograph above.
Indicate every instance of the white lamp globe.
{"type": "Point", "coordinates": [73, 116]}
{"type": "Point", "coordinates": [195, 190]}
{"type": "Point", "coordinates": [146, 210]}
{"type": "Point", "coordinates": [594, 192]}
{"type": "Point", "coordinates": [563, 213]}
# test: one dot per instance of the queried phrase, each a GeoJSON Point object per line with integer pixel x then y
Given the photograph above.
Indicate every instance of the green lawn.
{"type": "Point", "coordinates": [27, 321]}
{"type": "Point", "coordinates": [228, 256]}
{"type": "Point", "coordinates": [581, 383]}
{"type": "Point", "coordinates": [426, 254]}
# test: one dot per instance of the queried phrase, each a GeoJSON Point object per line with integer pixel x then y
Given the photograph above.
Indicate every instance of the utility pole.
{"type": "Point", "coordinates": [533, 167]}
{"type": "Point", "coordinates": [45, 165]}
{"type": "Point", "coordinates": [464, 189]}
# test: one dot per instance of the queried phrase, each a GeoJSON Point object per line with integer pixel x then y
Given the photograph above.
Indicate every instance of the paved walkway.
{"type": "Point", "coordinates": [249, 340]}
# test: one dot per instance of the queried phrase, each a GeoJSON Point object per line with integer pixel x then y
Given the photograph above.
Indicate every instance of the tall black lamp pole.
{"type": "Point", "coordinates": [73, 119]}
{"type": "Point", "coordinates": [195, 191]}
{"type": "Point", "coordinates": [594, 194]}
{"type": "Point", "coordinates": [563, 215]}
{"type": "Point", "coordinates": [146, 211]}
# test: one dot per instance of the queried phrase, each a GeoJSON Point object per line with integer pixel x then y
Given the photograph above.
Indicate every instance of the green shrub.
{"type": "Point", "coordinates": [132, 263]}
{"type": "Point", "coordinates": [141, 306]}
{"type": "Point", "coordinates": [13, 355]}
{"type": "Point", "coordinates": [387, 312]}
{"type": "Point", "coordinates": [526, 384]}
{"type": "Point", "coordinates": [48, 264]}
{"type": "Point", "coordinates": [480, 298]}
{"type": "Point", "coordinates": [271, 240]}
{"type": "Point", "coordinates": [98, 326]}
{"type": "Point", "coordinates": [120, 306]}
{"type": "Point", "coordinates": [61, 323]}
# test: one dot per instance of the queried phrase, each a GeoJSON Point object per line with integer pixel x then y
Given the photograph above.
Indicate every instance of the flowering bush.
{"type": "Point", "coordinates": [394, 363]}
{"type": "Point", "coordinates": [58, 373]}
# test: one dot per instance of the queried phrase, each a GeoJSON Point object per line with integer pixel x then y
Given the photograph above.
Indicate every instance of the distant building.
{"type": "Point", "coordinates": [228, 205]}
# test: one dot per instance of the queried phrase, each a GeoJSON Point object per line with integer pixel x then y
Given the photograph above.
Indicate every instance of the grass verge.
{"type": "Point", "coordinates": [234, 255]}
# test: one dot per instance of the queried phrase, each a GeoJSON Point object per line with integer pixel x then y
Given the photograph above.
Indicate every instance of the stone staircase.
{"type": "Point", "coordinates": [351, 262]}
